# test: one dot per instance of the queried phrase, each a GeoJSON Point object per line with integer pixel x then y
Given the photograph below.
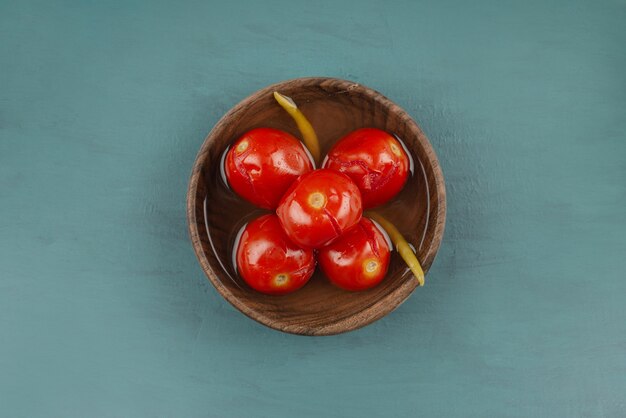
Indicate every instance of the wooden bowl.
{"type": "Point", "coordinates": [334, 107]}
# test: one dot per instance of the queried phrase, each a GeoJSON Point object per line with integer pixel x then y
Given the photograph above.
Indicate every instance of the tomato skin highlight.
{"type": "Point", "coordinates": [319, 207]}
{"type": "Point", "coordinates": [269, 261]}
{"type": "Point", "coordinates": [358, 260]}
{"type": "Point", "coordinates": [374, 160]}
{"type": "Point", "coordinates": [262, 164]}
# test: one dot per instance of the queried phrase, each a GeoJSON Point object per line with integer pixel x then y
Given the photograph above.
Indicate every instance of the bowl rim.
{"type": "Point", "coordinates": [367, 315]}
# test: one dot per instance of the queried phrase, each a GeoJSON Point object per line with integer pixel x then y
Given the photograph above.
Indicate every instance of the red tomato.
{"type": "Point", "coordinates": [263, 163]}
{"type": "Point", "coordinates": [374, 160]}
{"type": "Point", "coordinates": [268, 261]}
{"type": "Point", "coordinates": [319, 207]}
{"type": "Point", "coordinates": [359, 259]}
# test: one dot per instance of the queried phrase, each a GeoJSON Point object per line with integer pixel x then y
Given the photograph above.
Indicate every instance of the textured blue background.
{"type": "Point", "coordinates": [104, 310]}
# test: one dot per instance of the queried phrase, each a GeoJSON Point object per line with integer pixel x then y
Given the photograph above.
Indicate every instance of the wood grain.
{"type": "Point", "coordinates": [335, 107]}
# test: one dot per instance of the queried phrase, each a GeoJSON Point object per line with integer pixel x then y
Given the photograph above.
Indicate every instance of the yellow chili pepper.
{"type": "Point", "coordinates": [309, 137]}
{"type": "Point", "coordinates": [405, 251]}
{"type": "Point", "coordinates": [310, 140]}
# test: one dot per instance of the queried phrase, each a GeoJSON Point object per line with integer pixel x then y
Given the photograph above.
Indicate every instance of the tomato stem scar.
{"type": "Point", "coordinates": [317, 200]}
{"type": "Point", "coordinates": [281, 279]}
{"type": "Point", "coordinates": [395, 149]}
{"type": "Point", "coordinates": [242, 146]}
{"type": "Point", "coordinates": [371, 267]}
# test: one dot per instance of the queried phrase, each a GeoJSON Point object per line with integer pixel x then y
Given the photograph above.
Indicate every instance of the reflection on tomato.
{"type": "Point", "coordinates": [374, 160]}
{"type": "Point", "coordinates": [262, 164]}
{"type": "Point", "coordinates": [319, 207]}
{"type": "Point", "coordinates": [268, 261]}
{"type": "Point", "coordinates": [359, 259]}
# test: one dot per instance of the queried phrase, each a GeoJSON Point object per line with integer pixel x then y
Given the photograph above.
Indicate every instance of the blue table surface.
{"type": "Point", "coordinates": [104, 310]}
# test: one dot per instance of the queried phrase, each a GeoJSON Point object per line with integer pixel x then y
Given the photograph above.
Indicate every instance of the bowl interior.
{"type": "Point", "coordinates": [334, 107]}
